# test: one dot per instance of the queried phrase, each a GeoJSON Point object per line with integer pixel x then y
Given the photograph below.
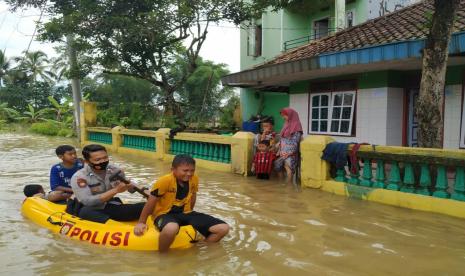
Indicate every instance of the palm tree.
{"type": "Point", "coordinates": [35, 65]}
{"type": "Point", "coordinates": [4, 67]}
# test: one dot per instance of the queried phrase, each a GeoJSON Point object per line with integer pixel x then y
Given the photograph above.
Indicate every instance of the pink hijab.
{"type": "Point", "coordinates": [292, 124]}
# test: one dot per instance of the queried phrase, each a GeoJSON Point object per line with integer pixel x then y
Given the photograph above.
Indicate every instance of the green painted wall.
{"type": "Point", "coordinates": [272, 103]}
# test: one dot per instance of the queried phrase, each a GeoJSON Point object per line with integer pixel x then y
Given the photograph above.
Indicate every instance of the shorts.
{"type": "Point", "coordinates": [201, 222]}
{"type": "Point", "coordinates": [263, 176]}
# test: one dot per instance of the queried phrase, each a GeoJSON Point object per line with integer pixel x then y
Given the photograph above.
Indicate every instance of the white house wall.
{"type": "Point", "coordinates": [299, 102]}
{"type": "Point", "coordinates": [375, 124]}
{"type": "Point", "coordinates": [395, 116]}
{"type": "Point", "coordinates": [452, 115]}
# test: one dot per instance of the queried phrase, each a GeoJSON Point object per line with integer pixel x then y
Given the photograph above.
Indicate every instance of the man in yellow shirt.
{"type": "Point", "coordinates": [171, 203]}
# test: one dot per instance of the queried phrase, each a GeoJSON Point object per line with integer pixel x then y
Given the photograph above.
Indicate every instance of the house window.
{"type": "Point", "coordinates": [462, 132]}
{"type": "Point", "coordinates": [350, 19]}
{"type": "Point", "coordinates": [332, 113]}
{"type": "Point", "coordinates": [254, 41]}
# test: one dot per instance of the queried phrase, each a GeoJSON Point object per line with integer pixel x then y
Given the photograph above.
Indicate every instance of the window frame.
{"type": "Point", "coordinates": [332, 95]}
{"type": "Point", "coordinates": [462, 122]}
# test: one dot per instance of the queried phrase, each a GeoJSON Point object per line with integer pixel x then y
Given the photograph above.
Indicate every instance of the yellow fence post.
{"type": "Point", "coordinates": [88, 118]}
{"type": "Point", "coordinates": [241, 152]}
{"type": "Point", "coordinates": [162, 144]}
{"type": "Point", "coordinates": [314, 171]}
{"type": "Point", "coordinates": [116, 140]}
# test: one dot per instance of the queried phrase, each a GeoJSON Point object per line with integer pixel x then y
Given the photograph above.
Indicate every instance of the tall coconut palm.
{"type": "Point", "coordinates": [4, 66]}
{"type": "Point", "coordinates": [36, 66]}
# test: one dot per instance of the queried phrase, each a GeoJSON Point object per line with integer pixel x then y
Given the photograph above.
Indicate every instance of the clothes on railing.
{"type": "Point", "coordinates": [336, 153]}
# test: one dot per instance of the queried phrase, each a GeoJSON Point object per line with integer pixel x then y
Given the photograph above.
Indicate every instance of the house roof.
{"type": "Point", "coordinates": [391, 42]}
{"type": "Point", "coordinates": [408, 23]}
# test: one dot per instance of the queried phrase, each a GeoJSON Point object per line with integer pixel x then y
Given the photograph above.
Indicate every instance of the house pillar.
{"type": "Point", "coordinates": [340, 14]}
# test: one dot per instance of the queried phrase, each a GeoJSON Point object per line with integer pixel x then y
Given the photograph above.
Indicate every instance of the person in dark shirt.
{"type": "Point", "coordinates": [61, 173]}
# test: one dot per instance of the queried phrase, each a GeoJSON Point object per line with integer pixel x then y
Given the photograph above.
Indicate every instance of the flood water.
{"type": "Point", "coordinates": [274, 229]}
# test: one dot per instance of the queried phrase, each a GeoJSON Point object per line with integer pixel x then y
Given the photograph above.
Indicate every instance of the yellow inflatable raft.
{"type": "Point", "coordinates": [113, 234]}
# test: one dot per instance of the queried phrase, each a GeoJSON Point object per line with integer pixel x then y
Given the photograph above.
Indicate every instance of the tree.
{"type": "Point", "coordinates": [227, 113]}
{"type": "Point", "coordinates": [429, 106]}
{"type": "Point", "coordinates": [202, 94]}
{"type": "Point", "coordinates": [4, 66]}
{"type": "Point", "coordinates": [142, 38]}
{"type": "Point", "coordinates": [35, 65]}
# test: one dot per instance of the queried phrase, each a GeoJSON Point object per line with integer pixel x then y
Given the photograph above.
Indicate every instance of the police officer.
{"type": "Point", "coordinates": [94, 189]}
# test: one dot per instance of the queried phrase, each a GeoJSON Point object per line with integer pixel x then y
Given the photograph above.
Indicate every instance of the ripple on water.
{"type": "Point", "coordinates": [274, 229]}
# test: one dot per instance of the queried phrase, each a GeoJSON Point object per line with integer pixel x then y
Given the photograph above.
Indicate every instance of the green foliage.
{"type": "Point", "coordinates": [19, 95]}
{"type": "Point", "coordinates": [46, 128]}
{"type": "Point", "coordinates": [65, 132]}
{"type": "Point", "coordinates": [227, 114]}
{"type": "Point", "coordinates": [7, 114]}
{"type": "Point", "coordinates": [301, 6]}
{"type": "Point", "coordinates": [35, 66]}
{"type": "Point", "coordinates": [142, 38]}
{"type": "Point", "coordinates": [4, 66]}
{"type": "Point", "coordinates": [34, 115]}
{"type": "Point", "coordinates": [202, 93]}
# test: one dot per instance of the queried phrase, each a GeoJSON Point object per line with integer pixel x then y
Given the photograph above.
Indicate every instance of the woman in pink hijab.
{"type": "Point", "coordinates": [289, 144]}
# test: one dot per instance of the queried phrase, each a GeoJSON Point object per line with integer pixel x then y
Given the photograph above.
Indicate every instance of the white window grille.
{"type": "Point", "coordinates": [332, 113]}
{"type": "Point", "coordinates": [462, 132]}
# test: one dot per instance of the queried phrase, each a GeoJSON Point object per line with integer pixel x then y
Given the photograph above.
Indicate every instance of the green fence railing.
{"type": "Point", "coordinates": [202, 150]}
{"type": "Point", "coordinates": [100, 137]}
{"type": "Point", "coordinates": [139, 142]}
{"type": "Point", "coordinates": [436, 176]}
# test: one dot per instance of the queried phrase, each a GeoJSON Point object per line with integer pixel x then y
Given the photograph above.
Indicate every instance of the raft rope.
{"type": "Point", "coordinates": [193, 240]}
{"type": "Point", "coordinates": [60, 223]}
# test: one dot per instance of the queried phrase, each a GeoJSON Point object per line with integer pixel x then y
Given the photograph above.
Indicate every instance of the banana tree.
{"type": "Point", "coordinates": [61, 110]}
{"type": "Point", "coordinates": [7, 113]}
{"type": "Point", "coordinates": [33, 115]}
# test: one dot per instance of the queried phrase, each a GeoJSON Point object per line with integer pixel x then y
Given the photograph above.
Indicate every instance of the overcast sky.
{"type": "Point", "coordinates": [16, 29]}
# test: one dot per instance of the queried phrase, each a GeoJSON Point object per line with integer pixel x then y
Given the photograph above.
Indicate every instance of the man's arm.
{"type": "Point", "coordinates": [149, 206]}
{"type": "Point", "coordinates": [57, 196]}
{"type": "Point", "coordinates": [193, 199]}
{"type": "Point", "coordinates": [54, 178]}
{"type": "Point", "coordinates": [85, 196]}
{"type": "Point", "coordinates": [64, 189]}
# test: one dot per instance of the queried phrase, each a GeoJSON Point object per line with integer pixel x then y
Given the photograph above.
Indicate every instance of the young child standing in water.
{"type": "Point", "coordinates": [263, 160]}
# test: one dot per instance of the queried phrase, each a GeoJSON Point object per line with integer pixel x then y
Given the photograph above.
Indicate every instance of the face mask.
{"type": "Point", "coordinates": [99, 166]}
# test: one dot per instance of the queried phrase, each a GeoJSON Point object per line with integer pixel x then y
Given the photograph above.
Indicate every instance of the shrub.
{"type": "Point", "coordinates": [46, 128]}
{"type": "Point", "coordinates": [65, 132]}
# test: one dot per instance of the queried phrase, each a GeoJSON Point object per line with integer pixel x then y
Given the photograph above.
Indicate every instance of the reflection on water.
{"type": "Point", "coordinates": [274, 229]}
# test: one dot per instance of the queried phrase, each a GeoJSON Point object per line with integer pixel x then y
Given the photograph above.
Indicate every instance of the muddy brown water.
{"type": "Point", "coordinates": [275, 230]}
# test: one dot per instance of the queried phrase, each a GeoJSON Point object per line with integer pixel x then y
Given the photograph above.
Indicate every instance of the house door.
{"type": "Point", "coordinates": [412, 119]}
{"type": "Point", "coordinates": [321, 28]}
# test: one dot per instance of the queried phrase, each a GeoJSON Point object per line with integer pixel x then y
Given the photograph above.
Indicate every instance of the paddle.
{"type": "Point", "coordinates": [118, 176]}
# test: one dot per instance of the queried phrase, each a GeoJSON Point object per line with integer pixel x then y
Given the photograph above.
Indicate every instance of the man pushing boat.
{"type": "Point", "coordinates": [95, 187]}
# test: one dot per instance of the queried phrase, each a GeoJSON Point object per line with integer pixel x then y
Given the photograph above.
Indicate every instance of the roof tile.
{"type": "Point", "coordinates": [405, 24]}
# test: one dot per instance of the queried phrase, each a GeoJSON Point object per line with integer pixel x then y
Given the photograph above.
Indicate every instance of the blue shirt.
{"type": "Point", "coordinates": [61, 176]}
